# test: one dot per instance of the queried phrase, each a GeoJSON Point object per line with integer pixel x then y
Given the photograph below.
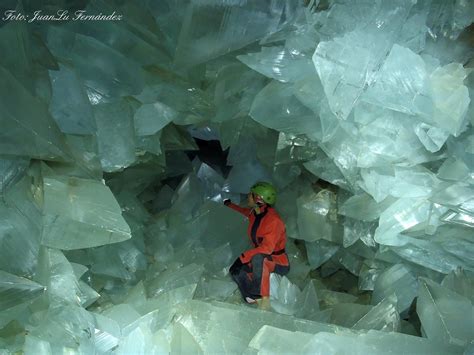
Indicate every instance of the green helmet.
{"type": "Point", "coordinates": [266, 191]}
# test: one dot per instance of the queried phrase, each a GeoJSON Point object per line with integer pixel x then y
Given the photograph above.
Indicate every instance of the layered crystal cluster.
{"type": "Point", "coordinates": [113, 236]}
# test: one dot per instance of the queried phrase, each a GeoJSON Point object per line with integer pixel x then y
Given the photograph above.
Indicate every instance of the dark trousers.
{"type": "Point", "coordinates": [253, 279]}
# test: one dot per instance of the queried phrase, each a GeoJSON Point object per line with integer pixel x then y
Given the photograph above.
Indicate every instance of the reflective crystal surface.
{"type": "Point", "coordinates": [125, 126]}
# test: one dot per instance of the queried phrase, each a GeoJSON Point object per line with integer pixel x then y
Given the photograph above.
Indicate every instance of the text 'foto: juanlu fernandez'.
{"type": "Point", "coordinates": [60, 15]}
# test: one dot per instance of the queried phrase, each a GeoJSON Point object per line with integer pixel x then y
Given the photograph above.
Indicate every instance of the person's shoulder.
{"type": "Point", "coordinates": [274, 213]}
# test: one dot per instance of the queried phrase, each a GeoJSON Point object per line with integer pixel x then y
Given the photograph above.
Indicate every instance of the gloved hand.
{"type": "Point", "coordinates": [227, 201]}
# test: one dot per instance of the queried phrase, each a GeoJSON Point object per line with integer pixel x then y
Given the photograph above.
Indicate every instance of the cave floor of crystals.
{"type": "Point", "coordinates": [125, 124]}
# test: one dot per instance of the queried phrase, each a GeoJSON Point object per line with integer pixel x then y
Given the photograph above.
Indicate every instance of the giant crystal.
{"type": "Point", "coordinates": [346, 64]}
{"type": "Point", "coordinates": [70, 106]}
{"type": "Point", "coordinates": [445, 314]}
{"type": "Point", "coordinates": [225, 27]}
{"type": "Point", "coordinates": [26, 119]}
{"type": "Point", "coordinates": [16, 290]}
{"type": "Point", "coordinates": [113, 235]}
{"type": "Point", "coordinates": [81, 213]}
{"type": "Point", "coordinates": [115, 124]}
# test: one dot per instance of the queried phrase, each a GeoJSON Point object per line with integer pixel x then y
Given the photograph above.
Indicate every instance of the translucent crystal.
{"type": "Point", "coordinates": [387, 136]}
{"type": "Point", "coordinates": [207, 133]}
{"type": "Point", "coordinates": [56, 273]}
{"type": "Point", "coordinates": [215, 289]}
{"type": "Point", "coordinates": [271, 340]}
{"type": "Point", "coordinates": [150, 118]}
{"type": "Point", "coordinates": [177, 163]}
{"type": "Point", "coordinates": [171, 279]}
{"type": "Point", "coordinates": [243, 150]}
{"type": "Point", "coordinates": [316, 218]}
{"type": "Point", "coordinates": [373, 342]}
{"type": "Point", "coordinates": [279, 63]}
{"type": "Point", "coordinates": [119, 260]}
{"type": "Point", "coordinates": [34, 345]}
{"type": "Point", "coordinates": [325, 168]}
{"type": "Point", "coordinates": [163, 199]}
{"type": "Point", "coordinates": [15, 290]}
{"type": "Point", "coordinates": [188, 197]}
{"type": "Point", "coordinates": [402, 215]}
{"type": "Point", "coordinates": [234, 92]}
{"type": "Point", "coordinates": [413, 34]}
{"type": "Point", "coordinates": [15, 37]}
{"type": "Point", "coordinates": [70, 106]}
{"type": "Point", "coordinates": [347, 314]}
{"type": "Point", "coordinates": [430, 255]}
{"type": "Point", "coordinates": [106, 332]}
{"type": "Point", "coordinates": [343, 79]}
{"type": "Point", "coordinates": [243, 176]}
{"type": "Point", "coordinates": [399, 183]}
{"type": "Point", "coordinates": [206, 323]}
{"type": "Point", "coordinates": [11, 170]}
{"type": "Point", "coordinates": [152, 321]}
{"type": "Point", "coordinates": [115, 124]}
{"type": "Point", "coordinates": [233, 26]}
{"type": "Point", "coordinates": [283, 294]}
{"type": "Point", "coordinates": [212, 182]}
{"type": "Point", "coordinates": [293, 148]}
{"type": "Point", "coordinates": [87, 295]}
{"type": "Point", "coordinates": [20, 230]}
{"type": "Point", "coordinates": [330, 298]}
{"type": "Point", "coordinates": [150, 144]}
{"type": "Point", "coordinates": [119, 209]}
{"type": "Point", "coordinates": [398, 280]}
{"type": "Point", "coordinates": [384, 316]}
{"type": "Point", "coordinates": [86, 160]}
{"type": "Point", "coordinates": [119, 77]}
{"type": "Point", "coordinates": [449, 18]}
{"type": "Point", "coordinates": [286, 113]}
{"type": "Point", "coordinates": [355, 230]}
{"type": "Point", "coordinates": [369, 272]}
{"type": "Point", "coordinates": [350, 261]}
{"type": "Point", "coordinates": [139, 40]}
{"type": "Point", "coordinates": [64, 327]}
{"type": "Point", "coordinates": [42, 133]}
{"type": "Point", "coordinates": [432, 137]}
{"type": "Point", "coordinates": [300, 268]}
{"type": "Point", "coordinates": [447, 81]}
{"type": "Point", "coordinates": [458, 217]}
{"type": "Point", "coordinates": [455, 194]}
{"type": "Point", "coordinates": [139, 341]}
{"type": "Point", "coordinates": [166, 302]}
{"type": "Point", "coordinates": [309, 303]}
{"type": "Point", "coordinates": [81, 213]}
{"type": "Point", "coordinates": [183, 341]}
{"type": "Point", "coordinates": [459, 282]}
{"type": "Point", "coordinates": [320, 251]}
{"type": "Point", "coordinates": [454, 169]}
{"type": "Point", "coordinates": [402, 84]}
{"type": "Point", "coordinates": [444, 314]}
{"type": "Point", "coordinates": [123, 314]}
{"type": "Point", "coordinates": [371, 210]}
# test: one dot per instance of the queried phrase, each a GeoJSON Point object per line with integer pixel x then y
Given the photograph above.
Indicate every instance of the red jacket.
{"type": "Point", "coordinates": [266, 232]}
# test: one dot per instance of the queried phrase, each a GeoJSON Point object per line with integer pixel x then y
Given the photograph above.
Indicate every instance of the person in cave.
{"type": "Point", "coordinates": [266, 230]}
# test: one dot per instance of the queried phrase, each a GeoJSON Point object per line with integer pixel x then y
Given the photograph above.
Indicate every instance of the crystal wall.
{"type": "Point", "coordinates": [113, 236]}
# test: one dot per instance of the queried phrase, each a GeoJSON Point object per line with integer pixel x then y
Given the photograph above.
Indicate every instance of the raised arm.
{"type": "Point", "coordinates": [245, 211]}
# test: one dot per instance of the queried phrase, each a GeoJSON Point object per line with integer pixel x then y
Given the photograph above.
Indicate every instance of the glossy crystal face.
{"type": "Point", "coordinates": [354, 119]}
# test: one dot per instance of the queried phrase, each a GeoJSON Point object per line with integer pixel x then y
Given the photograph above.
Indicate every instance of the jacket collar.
{"type": "Point", "coordinates": [261, 209]}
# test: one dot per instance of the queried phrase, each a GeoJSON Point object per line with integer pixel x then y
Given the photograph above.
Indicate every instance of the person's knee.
{"type": "Point", "coordinates": [257, 259]}
{"type": "Point", "coordinates": [236, 267]}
